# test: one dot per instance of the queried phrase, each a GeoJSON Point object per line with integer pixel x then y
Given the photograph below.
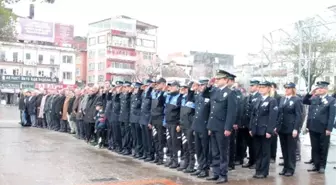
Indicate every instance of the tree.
{"type": "Point", "coordinates": [146, 70]}
{"type": "Point", "coordinates": [7, 19]}
{"type": "Point", "coordinates": [317, 49]}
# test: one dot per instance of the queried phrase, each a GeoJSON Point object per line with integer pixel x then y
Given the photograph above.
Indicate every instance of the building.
{"type": "Point", "coordinates": [80, 44]}
{"type": "Point", "coordinates": [25, 65]}
{"type": "Point", "coordinates": [119, 46]}
{"type": "Point", "coordinates": [180, 60]}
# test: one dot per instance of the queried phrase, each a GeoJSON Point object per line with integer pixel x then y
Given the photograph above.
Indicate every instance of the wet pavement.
{"type": "Point", "coordinates": [32, 156]}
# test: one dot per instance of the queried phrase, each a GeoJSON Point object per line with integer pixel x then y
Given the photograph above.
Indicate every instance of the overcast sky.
{"type": "Point", "coordinates": [233, 27]}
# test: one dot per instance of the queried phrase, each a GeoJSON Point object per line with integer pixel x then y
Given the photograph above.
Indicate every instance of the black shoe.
{"type": "Point", "coordinates": [127, 153]}
{"type": "Point", "coordinates": [280, 157]}
{"type": "Point", "coordinates": [314, 169]}
{"type": "Point", "coordinates": [212, 178]}
{"type": "Point", "coordinates": [149, 159]}
{"type": "Point", "coordinates": [252, 167]}
{"type": "Point", "coordinates": [197, 172]}
{"type": "Point", "coordinates": [260, 176]}
{"type": "Point", "coordinates": [309, 162]}
{"type": "Point", "coordinates": [321, 171]}
{"type": "Point", "coordinates": [288, 174]}
{"type": "Point", "coordinates": [281, 164]}
{"type": "Point", "coordinates": [156, 160]}
{"type": "Point", "coordinates": [168, 164]}
{"type": "Point", "coordinates": [174, 166]}
{"type": "Point", "coordinates": [181, 168]}
{"type": "Point", "coordinates": [335, 167]}
{"type": "Point", "coordinates": [143, 157]}
{"type": "Point", "coordinates": [189, 170]}
{"type": "Point", "coordinates": [247, 165]}
{"type": "Point", "coordinates": [222, 180]}
{"type": "Point", "coordinates": [160, 162]}
{"type": "Point", "coordinates": [255, 176]}
{"type": "Point", "coordinates": [231, 168]}
{"type": "Point", "coordinates": [283, 172]}
{"type": "Point", "coordinates": [203, 174]}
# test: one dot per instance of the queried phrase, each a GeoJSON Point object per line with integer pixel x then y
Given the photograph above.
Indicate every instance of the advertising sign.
{"type": "Point", "coordinates": [63, 34]}
{"type": "Point", "coordinates": [29, 29]}
{"type": "Point", "coordinates": [28, 79]}
{"type": "Point", "coordinates": [126, 26]}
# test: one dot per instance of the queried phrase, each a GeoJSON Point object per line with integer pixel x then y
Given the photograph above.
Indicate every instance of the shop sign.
{"type": "Point", "coordinates": [28, 79]}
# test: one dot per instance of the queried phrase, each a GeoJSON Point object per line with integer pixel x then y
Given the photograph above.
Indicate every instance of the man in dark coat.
{"type": "Point", "coordinates": [125, 99]}
{"type": "Point", "coordinates": [90, 113]}
{"type": "Point", "coordinates": [22, 108]}
{"type": "Point", "coordinates": [39, 97]}
{"type": "Point", "coordinates": [31, 109]}
{"type": "Point", "coordinates": [274, 143]}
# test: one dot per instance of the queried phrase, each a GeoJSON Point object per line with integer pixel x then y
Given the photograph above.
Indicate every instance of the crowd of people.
{"type": "Point", "coordinates": [200, 125]}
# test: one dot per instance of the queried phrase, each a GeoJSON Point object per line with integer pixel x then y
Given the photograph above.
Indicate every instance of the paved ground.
{"type": "Point", "coordinates": [31, 156]}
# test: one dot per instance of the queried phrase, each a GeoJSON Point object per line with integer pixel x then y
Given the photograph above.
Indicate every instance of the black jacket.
{"type": "Point", "coordinates": [90, 109]}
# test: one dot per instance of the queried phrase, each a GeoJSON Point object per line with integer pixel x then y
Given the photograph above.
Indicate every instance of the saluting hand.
{"type": "Point", "coordinates": [268, 135]}
{"type": "Point", "coordinates": [227, 133]}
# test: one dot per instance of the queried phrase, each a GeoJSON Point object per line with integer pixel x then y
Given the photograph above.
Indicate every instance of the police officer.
{"type": "Point", "coordinates": [125, 102]}
{"type": "Point", "coordinates": [134, 119]}
{"type": "Point", "coordinates": [172, 119]}
{"type": "Point", "coordinates": [109, 118]}
{"type": "Point", "coordinates": [274, 143]}
{"type": "Point", "coordinates": [186, 118]}
{"type": "Point", "coordinates": [320, 123]}
{"type": "Point", "coordinates": [156, 122]}
{"type": "Point", "coordinates": [115, 117]}
{"type": "Point", "coordinates": [288, 126]}
{"type": "Point", "coordinates": [233, 144]}
{"type": "Point", "coordinates": [146, 129]}
{"type": "Point", "coordinates": [202, 111]}
{"type": "Point", "coordinates": [222, 117]}
{"type": "Point", "coordinates": [263, 122]}
{"type": "Point", "coordinates": [244, 139]}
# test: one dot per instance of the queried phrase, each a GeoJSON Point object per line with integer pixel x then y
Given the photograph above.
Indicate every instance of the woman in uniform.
{"type": "Point", "coordinates": [262, 125]}
{"type": "Point", "coordinates": [289, 121]}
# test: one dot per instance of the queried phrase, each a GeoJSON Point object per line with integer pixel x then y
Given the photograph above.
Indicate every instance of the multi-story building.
{"type": "Point", "coordinates": [180, 60]}
{"type": "Point", "coordinates": [25, 65]}
{"type": "Point", "coordinates": [81, 60]}
{"type": "Point", "coordinates": [117, 47]}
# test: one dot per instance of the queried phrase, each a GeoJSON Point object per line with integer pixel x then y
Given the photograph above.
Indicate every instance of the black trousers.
{"type": "Point", "coordinates": [288, 148]}
{"type": "Point", "coordinates": [220, 147]}
{"type": "Point", "coordinates": [159, 138]}
{"type": "Point", "coordinates": [102, 133]}
{"type": "Point", "coordinates": [168, 142]}
{"type": "Point", "coordinates": [117, 139]}
{"type": "Point", "coordinates": [137, 139]}
{"type": "Point", "coordinates": [147, 140]}
{"type": "Point", "coordinates": [233, 148]}
{"type": "Point", "coordinates": [126, 136]}
{"type": "Point", "coordinates": [55, 123]}
{"type": "Point", "coordinates": [174, 143]}
{"type": "Point", "coordinates": [263, 154]}
{"type": "Point", "coordinates": [320, 147]}
{"type": "Point", "coordinates": [89, 131]}
{"type": "Point", "coordinates": [274, 146]}
{"type": "Point", "coordinates": [188, 147]}
{"type": "Point", "coordinates": [202, 150]}
{"type": "Point", "coordinates": [44, 121]}
{"type": "Point", "coordinates": [109, 134]}
{"type": "Point", "coordinates": [39, 122]}
{"type": "Point", "coordinates": [80, 129]}
{"type": "Point", "coordinates": [64, 126]}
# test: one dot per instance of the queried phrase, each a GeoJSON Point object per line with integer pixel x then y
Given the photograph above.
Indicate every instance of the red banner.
{"type": "Point", "coordinates": [63, 34]}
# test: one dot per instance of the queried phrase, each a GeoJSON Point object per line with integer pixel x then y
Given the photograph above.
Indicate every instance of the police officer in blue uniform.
{"type": "Point", "coordinates": [274, 142]}
{"type": "Point", "coordinates": [262, 125]}
{"type": "Point", "coordinates": [125, 105]}
{"type": "Point", "coordinates": [156, 121]}
{"type": "Point", "coordinates": [244, 138]}
{"type": "Point", "coordinates": [202, 111]}
{"type": "Point", "coordinates": [186, 118]}
{"type": "Point", "coordinates": [134, 119]}
{"type": "Point", "coordinates": [115, 117]}
{"type": "Point", "coordinates": [288, 127]}
{"type": "Point", "coordinates": [146, 129]}
{"type": "Point", "coordinates": [221, 119]}
{"type": "Point", "coordinates": [320, 123]}
{"type": "Point", "coordinates": [172, 119]}
{"type": "Point", "coordinates": [109, 118]}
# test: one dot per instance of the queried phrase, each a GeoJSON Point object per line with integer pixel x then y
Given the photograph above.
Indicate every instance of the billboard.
{"type": "Point", "coordinates": [29, 29]}
{"type": "Point", "coordinates": [63, 34]}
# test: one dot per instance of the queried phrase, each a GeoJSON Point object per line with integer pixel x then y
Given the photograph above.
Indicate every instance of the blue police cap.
{"type": "Point", "coordinates": [119, 83]}
{"type": "Point", "coordinates": [176, 83]}
{"type": "Point", "coordinates": [127, 83]}
{"type": "Point", "coordinates": [203, 81]}
{"type": "Point", "coordinates": [162, 80]}
{"type": "Point", "coordinates": [290, 85]}
{"type": "Point", "coordinates": [137, 84]}
{"type": "Point", "coordinates": [254, 82]}
{"type": "Point", "coordinates": [148, 82]}
{"type": "Point", "coordinates": [265, 83]}
{"type": "Point", "coordinates": [322, 84]}
{"type": "Point", "coordinates": [222, 74]}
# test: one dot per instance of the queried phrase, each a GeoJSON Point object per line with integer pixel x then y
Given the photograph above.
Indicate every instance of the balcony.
{"type": "Point", "coordinates": [15, 62]}
{"type": "Point", "coordinates": [120, 71]}
{"type": "Point", "coordinates": [15, 78]}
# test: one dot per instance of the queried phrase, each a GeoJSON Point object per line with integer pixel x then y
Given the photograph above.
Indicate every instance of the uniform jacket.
{"type": "Point", "coordinates": [125, 107]}
{"type": "Point", "coordinates": [264, 116]}
{"type": "Point", "coordinates": [115, 108]}
{"type": "Point", "coordinates": [202, 111]}
{"type": "Point", "coordinates": [108, 107]}
{"type": "Point", "coordinates": [223, 108]}
{"type": "Point", "coordinates": [321, 114]}
{"type": "Point", "coordinates": [135, 107]}
{"type": "Point", "coordinates": [290, 115]}
{"type": "Point", "coordinates": [187, 112]}
{"type": "Point", "coordinates": [248, 104]}
{"type": "Point", "coordinates": [157, 105]}
{"type": "Point", "coordinates": [239, 103]}
{"type": "Point", "coordinates": [172, 109]}
{"type": "Point", "coordinates": [146, 102]}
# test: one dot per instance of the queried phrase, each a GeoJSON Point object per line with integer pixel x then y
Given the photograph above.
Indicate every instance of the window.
{"type": "Point", "coordinates": [15, 72]}
{"type": "Point", "coordinates": [92, 41]}
{"type": "Point", "coordinates": [3, 71]}
{"type": "Point", "coordinates": [77, 72]}
{"type": "Point", "coordinates": [91, 67]}
{"type": "Point", "coordinates": [90, 79]}
{"type": "Point", "coordinates": [147, 56]}
{"type": "Point", "coordinates": [148, 43]}
{"type": "Point", "coordinates": [15, 56]}
{"type": "Point", "coordinates": [120, 65]}
{"type": "Point", "coordinates": [67, 59]}
{"type": "Point", "coordinates": [91, 54]}
{"type": "Point", "coordinates": [2, 55]}
{"type": "Point", "coordinates": [101, 39]}
{"type": "Point", "coordinates": [100, 65]}
{"type": "Point", "coordinates": [67, 76]}
{"type": "Point", "coordinates": [52, 59]}
{"type": "Point", "coordinates": [40, 59]}
{"type": "Point", "coordinates": [139, 42]}
{"type": "Point", "coordinates": [101, 52]}
{"type": "Point", "coordinates": [101, 78]}
{"type": "Point", "coordinates": [122, 41]}
{"type": "Point", "coordinates": [28, 73]}
{"type": "Point", "coordinates": [40, 73]}
{"type": "Point", "coordinates": [28, 57]}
